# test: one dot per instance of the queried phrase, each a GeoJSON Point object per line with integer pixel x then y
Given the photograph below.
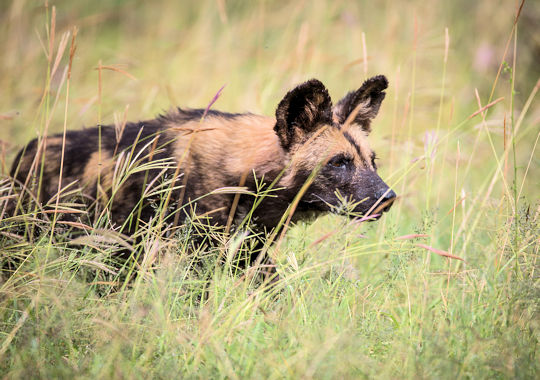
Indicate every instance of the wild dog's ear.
{"type": "Point", "coordinates": [367, 98]}
{"type": "Point", "coordinates": [302, 111]}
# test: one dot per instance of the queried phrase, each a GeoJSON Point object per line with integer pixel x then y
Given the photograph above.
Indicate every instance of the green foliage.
{"type": "Point", "coordinates": [354, 300]}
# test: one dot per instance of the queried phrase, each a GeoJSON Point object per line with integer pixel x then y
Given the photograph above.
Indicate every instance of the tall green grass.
{"type": "Point", "coordinates": [457, 136]}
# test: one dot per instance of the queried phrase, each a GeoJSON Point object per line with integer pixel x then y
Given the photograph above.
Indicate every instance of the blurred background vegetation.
{"type": "Point", "coordinates": [471, 186]}
{"type": "Point", "coordinates": [181, 53]}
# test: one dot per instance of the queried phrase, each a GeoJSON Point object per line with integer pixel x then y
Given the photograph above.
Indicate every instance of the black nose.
{"type": "Point", "coordinates": [387, 199]}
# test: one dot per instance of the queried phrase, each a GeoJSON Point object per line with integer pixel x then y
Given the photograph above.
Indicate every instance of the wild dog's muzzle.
{"type": "Point", "coordinates": [376, 195]}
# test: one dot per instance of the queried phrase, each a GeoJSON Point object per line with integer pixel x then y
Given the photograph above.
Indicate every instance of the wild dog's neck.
{"type": "Point", "coordinates": [226, 151]}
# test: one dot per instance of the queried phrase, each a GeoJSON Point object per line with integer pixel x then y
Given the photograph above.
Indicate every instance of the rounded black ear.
{"type": "Point", "coordinates": [302, 111]}
{"type": "Point", "coordinates": [367, 98]}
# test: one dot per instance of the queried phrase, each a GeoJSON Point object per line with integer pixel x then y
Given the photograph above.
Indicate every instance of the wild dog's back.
{"type": "Point", "coordinates": [213, 152]}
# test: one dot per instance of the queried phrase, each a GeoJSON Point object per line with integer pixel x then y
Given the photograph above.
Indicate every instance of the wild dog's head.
{"type": "Point", "coordinates": [330, 145]}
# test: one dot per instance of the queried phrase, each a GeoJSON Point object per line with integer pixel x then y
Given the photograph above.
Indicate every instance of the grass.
{"type": "Point", "coordinates": [371, 300]}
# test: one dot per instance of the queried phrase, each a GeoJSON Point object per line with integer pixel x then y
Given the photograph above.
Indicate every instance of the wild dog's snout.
{"type": "Point", "coordinates": [377, 197]}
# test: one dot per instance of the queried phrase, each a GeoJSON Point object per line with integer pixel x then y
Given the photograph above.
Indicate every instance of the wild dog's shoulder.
{"type": "Point", "coordinates": [224, 142]}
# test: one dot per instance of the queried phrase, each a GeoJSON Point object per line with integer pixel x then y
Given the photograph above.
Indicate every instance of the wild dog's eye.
{"type": "Point", "coordinates": [339, 161]}
{"type": "Point", "coordinates": [373, 158]}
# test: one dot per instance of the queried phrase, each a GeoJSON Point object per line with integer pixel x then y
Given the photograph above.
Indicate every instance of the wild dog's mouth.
{"type": "Point", "coordinates": [383, 207]}
{"type": "Point", "coordinates": [352, 209]}
{"type": "Point", "coordinates": [376, 211]}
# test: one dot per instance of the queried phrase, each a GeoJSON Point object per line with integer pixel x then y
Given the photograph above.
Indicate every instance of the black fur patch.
{"type": "Point", "coordinates": [302, 111]}
{"type": "Point", "coordinates": [372, 93]}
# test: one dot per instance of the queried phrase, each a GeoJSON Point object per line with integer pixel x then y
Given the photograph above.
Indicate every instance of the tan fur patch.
{"type": "Point", "coordinates": [328, 144]}
{"type": "Point", "coordinates": [250, 144]}
{"type": "Point", "coordinates": [361, 139]}
{"type": "Point", "coordinates": [99, 166]}
{"type": "Point", "coordinates": [54, 141]}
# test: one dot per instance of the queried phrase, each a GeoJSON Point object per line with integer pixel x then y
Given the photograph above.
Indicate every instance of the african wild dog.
{"type": "Point", "coordinates": [196, 155]}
